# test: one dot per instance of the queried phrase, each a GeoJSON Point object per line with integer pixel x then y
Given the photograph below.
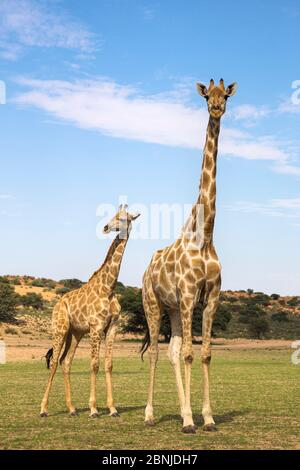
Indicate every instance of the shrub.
{"type": "Point", "coordinates": [8, 302]}
{"type": "Point", "coordinates": [10, 331]}
{"type": "Point", "coordinates": [62, 290]}
{"type": "Point", "coordinates": [293, 302]}
{"type": "Point", "coordinates": [275, 296]}
{"type": "Point", "coordinates": [258, 327]}
{"type": "Point", "coordinates": [32, 300]}
{"type": "Point", "coordinates": [71, 284]}
{"type": "Point", "coordinates": [280, 317]}
{"type": "Point", "coordinates": [43, 282]}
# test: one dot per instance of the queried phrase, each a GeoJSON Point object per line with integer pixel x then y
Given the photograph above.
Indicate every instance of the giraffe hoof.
{"type": "Point", "coordinates": [74, 413]}
{"type": "Point", "coordinates": [44, 414]}
{"type": "Point", "coordinates": [210, 427]}
{"type": "Point", "coordinates": [150, 423]}
{"type": "Point", "coordinates": [115, 415]}
{"type": "Point", "coordinates": [189, 429]}
{"type": "Point", "coordinates": [94, 415]}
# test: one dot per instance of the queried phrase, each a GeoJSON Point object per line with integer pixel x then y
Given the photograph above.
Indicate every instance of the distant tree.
{"type": "Point", "coordinates": [71, 284]}
{"type": "Point", "coordinates": [258, 327]}
{"type": "Point", "coordinates": [32, 299]}
{"type": "Point", "coordinates": [15, 281]}
{"type": "Point", "coordinates": [249, 310]}
{"type": "Point", "coordinates": [280, 317]}
{"type": "Point", "coordinates": [8, 302]}
{"type": "Point", "coordinates": [4, 279]}
{"type": "Point", "coordinates": [132, 304]}
{"type": "Point", "coordinates": [222, 318]}
{"type": "Point", "coordinates": [293, 302]}
{"type": "Point", "coordinates": [250, 291]}
{"type": "Point", "coordinates": [62, 290]}
{"type": "Point", "coordinates": [120, 288]}
{"type": "Point", "coordinates": [275, 296]}
{"type": "Point", "coordinates": [43, 282]}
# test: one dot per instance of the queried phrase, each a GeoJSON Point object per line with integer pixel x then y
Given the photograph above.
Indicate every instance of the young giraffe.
{"type": "Point", "coordinates": [93, 308]}
{"type": "Point", "coordinates": [186, 272]}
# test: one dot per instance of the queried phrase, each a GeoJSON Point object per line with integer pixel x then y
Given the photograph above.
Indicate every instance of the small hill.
{"type": "Point", "coordinates": [241, 314]}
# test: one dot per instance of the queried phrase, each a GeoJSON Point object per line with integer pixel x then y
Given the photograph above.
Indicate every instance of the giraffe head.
{"type": "Point", "coordinates": [121, 222]}
{"type": "Point", "coordinates": [216, 97]}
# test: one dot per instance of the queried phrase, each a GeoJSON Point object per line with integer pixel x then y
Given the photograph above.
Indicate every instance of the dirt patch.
{"type": "Point", "coordinates": [31, 349]}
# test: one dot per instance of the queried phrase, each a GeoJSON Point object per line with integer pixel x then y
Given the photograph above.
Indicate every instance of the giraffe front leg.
{"type": "Point", "coordinates": [174, 353]}
{"type": "Point", "coordinates": [95, 349]}
{"type": "Point", "coordinates": [186, 310]}
{"type": "Point", "coordinates": [207, 322]}
{"type": "Point", "coordinates": [109, 341]}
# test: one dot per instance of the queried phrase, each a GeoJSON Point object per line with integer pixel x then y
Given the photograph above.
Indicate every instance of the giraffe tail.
{"type": "Point", "coordinates": [49, 353]}
{"type": "Point", "coordinates": [48, 357]}
{"type": "Point", "coordinates": [146, 343]}
{"type": "Point", "coordinates": [67, 346]}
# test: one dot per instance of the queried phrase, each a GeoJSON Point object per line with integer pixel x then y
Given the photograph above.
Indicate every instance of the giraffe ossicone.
{"type": "Point", "coordinates": [92, 308]}
{"type": "Point", "coordinates": [186, 272]}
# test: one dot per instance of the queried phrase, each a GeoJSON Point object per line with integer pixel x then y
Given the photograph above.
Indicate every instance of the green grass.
{"type": "Point", "coordinates": [255, 398]}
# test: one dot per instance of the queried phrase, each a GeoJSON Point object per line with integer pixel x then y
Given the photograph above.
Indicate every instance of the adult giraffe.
{"type": "Point", "coordinates": [186, 272]}
{"type": "Point", "coordinates": [92, 308]}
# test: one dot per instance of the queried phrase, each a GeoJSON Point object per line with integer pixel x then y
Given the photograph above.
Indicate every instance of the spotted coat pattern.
{"type": "Point", "coordinates": [180, 275]}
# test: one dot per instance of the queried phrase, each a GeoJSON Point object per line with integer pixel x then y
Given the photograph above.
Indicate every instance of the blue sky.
{"type": "Point", "coordinates": [101, 102]}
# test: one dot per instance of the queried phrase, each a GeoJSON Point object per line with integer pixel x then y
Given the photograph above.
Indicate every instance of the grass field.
{"type": "Point", "coordinates": [255, 398]}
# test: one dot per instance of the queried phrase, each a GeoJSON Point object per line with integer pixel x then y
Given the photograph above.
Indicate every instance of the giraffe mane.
{"type": "Point", "coordinates": [107, 258]}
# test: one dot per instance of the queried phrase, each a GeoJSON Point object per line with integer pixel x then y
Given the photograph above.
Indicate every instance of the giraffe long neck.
{"type": "Point", "coordinates": [200, 223]}
{"type": "Point", "coordinates": [107, 275]}
{"type": "Point", "coordinates": [207, 189]}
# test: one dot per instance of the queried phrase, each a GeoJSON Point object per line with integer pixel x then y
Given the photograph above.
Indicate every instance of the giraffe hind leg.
{"type": "Point", "coordinates": [58, 342]}
{"type": "Point", "coordinates": [153, 312]}
{"type": "Point", "coordinates": [66, 363]}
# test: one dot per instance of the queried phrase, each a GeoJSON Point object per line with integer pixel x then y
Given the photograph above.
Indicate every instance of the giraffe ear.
{"type": "Point", "coordinates": [231, 89]}
{"type": "Point", "coordinates": [202, 90]}
{"type": "Point", "coordinates": [135, 216]}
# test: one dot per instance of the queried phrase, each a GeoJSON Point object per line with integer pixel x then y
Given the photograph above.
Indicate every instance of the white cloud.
{"type": "Point", "coordinates": [122, 111]}
{"type": "Point", "coordinates": [28, 23]}
{"type": "Point", "coordinates": [248, 112]}
{"type": "Point", "coordinates": [286, 208]}
{"type": "Point", "coordinates": [6, 196]}
{"type": "Point", "coordinates": [288, 106]}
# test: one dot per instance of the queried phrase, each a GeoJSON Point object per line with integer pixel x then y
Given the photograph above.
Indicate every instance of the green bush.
{"type": "Point", "coordinates": [71, 284]}
{"type": "Point", "coordinates": [275, 296]}
{"type": "Point", "coordinates": [62, 290]}
{"type": "Point", "coordinates": [10, 331]}
{"type": "Point", "coordinates": [293, 302]}
{"type": "Point", "coordinates": [33, 300]}
{"type": "Point", "coordinates": [258, 327]}
{"type": "Point", "coordinates": [280, 317]}
{"type": "Point", "coordinates": [8, 302]}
